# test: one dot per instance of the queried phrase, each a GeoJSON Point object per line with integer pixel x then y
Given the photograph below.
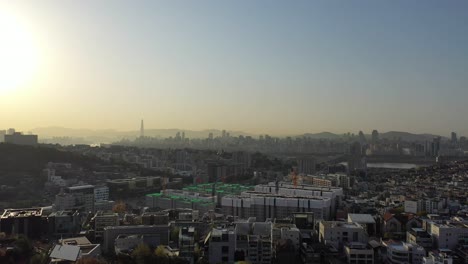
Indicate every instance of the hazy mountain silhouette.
{"type": "Point", "coordinates": [406, 136]}
{"type": "Point", "coordinates": [321, 135]}
{"type": "Point", "coordinates": [112, 135]}
{"type": "Point", "coordinates": [393, 135]}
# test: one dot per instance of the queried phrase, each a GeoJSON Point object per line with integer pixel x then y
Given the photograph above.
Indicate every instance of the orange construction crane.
{"type": "Point", "coordinates": [294, 177]}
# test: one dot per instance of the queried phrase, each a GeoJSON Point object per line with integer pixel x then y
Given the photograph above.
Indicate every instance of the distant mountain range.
{"type": "Point", "coordinates": [111, 135]}
{"type": "Point", "coordinates": [405, 136]}
{"type": "Point", "coordinates": [408, 136]}
{"type": "Point", "coordinates": [322, 135]}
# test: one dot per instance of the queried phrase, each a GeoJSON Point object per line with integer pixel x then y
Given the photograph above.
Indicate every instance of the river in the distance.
{"type": "Point", "coordinates": [390, 165]}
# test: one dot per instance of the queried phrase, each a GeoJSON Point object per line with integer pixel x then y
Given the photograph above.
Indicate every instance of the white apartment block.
{"type": "Point", "coordinates": [339, 233]}
{"type": "Point", "coordinates": [266, 205]}
{"type": "Point", "coordinates": [446, 235]}
{"type": "Point", "coordinates": [430, 206]}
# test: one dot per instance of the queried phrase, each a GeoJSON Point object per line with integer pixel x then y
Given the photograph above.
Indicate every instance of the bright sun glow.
{"type": "Point", "coordinates": [18, 53]}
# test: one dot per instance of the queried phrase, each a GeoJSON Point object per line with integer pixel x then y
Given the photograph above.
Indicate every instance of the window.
{"type": "Point", "coordinates": [225, 249]}
{"type": "Point", "coordinates": [355, 236]}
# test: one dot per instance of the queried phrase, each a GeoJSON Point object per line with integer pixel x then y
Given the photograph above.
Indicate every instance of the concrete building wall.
{"type": "Point", "coordinates": [159, 232]}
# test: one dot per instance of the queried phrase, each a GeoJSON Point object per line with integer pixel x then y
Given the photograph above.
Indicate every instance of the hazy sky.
{"type": "Point", "coordinates": [257, 66]}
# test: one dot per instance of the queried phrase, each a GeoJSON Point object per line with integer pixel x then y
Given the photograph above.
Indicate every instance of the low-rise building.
{"type": "Point", "coordinates": [366, 221]}
{"type": "Point", "coordinates": [102, 220]}
{"type": "Point", "coordinates": [21, 139]}
{"type": "Point", "coordinates": [104, 205]}
{"type": "Point", "coordinates": [65, 202]}
{"type": "Point", "coordinates": [340, 233]}
{"type": "Point", "coordinates": [447, 235]}
{"type": "Point", "coordinates": [438, 257]}
{"type": "Point", "coordinates": [126, 243]}
{"type": "Point", "coordinates": [359, 253]}
{"type": "Point", "coordinates": [222, 245]}
{"type": "Point", "coordinates": [419, 236]}
{"type": "Point", "coordinates": [26, 221]}
{"type": "Point", "coordinates": [309, 254]}
{"type": "Point", "coordinates": [187, 243]}
{"type": "Point", "coordinates": [159, 234]}
{"type": "Point", "coordinates": [282, 231]}
{"type": "Point", "coordinates": [403, 253]}
{"type": "Point", "coordinates": [155, 218]}
{"type": "Point", "coordinates": [255, 240]}
{"type": "Point", "coordinates": [64, 223]}
{"type": "Point", "coordinates": [87, 249]}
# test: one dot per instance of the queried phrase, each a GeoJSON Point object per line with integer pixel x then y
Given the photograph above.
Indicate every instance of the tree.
{"type": "Point", "coordinates": [197, 252]}
{"type": "Point", "coordinates": [399, 210]}
{"type": "Point", "coordinates": [142, 254]}
{"type": "Point", "coordinates": [41, 258]}
{"type": "Point", "coordinates": [120, 207]}
{"type": "Point", "coordinates": [160, 251]}
{"type": "Point", "coordinates": [24, 246]}
{"type": "Point", "coordinates": [174, 236]}
{"type": "Point", "coordinates": [202, 261]}
{"type": "Point", "coordinates": [90, 260]}
{"type": "Point", "coordinates": [422, 213]}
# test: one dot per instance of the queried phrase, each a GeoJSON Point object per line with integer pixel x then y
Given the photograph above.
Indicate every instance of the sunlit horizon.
{"type": "Point", "coordinates": [263, 68]}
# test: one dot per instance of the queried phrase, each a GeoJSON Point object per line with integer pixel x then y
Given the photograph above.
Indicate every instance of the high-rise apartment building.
{"type": "Point", "coordinates": [306, 165]}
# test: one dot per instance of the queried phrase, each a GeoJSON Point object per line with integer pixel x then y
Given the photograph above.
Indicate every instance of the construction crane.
{"type": "Point", "coordinates": [294, 177]}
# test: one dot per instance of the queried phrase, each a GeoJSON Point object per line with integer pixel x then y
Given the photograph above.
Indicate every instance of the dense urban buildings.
{"type": "Point", "coordinates": [225, 206]}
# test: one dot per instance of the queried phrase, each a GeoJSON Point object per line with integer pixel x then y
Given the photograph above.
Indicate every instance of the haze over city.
{"type": "Point", "coordinates": [221, 132]}
{"type": "Point", "coordinates": [261, 67]}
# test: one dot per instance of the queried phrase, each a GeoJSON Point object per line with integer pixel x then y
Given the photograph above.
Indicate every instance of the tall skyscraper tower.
{"type": "Point", "coordinates": [142, 129]}
{"type": "Point", "coordinates": [375, 136]}
{"type": "Point", "coordinates": [454, 138]}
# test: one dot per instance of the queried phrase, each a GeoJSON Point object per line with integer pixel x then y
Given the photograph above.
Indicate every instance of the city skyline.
{"type": "Point", "coordinates": [272, 68]}
{"type": "Point", "coordinates": [57, 131]}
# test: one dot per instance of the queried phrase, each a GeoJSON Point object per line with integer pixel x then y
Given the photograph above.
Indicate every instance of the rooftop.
{"type": "Point", "coordinates": [357, 245]}
{"type": "Point", "coordinates": [63, 213]}
{"type": "Point", "coordinates": [254, 193]}
{"type": "Point", "coordinates": [132, 179]}
{"type": "Point", "coordinates": [26, 212]}
{"type": "Point", "coordinates": [335, 224]}
{"type": "Point", "coordinates": [77, 241]}
{"type": "Point", "coordinates": [65, 252]}
{"type": "Point", "coordinates": [303, 186]}
{"type": "Point", "coordinates": [222, 188]}
{"type": "Point", "coordinates": [361, 218]}
{"type": "Point", "coordinates": [81, 187]}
